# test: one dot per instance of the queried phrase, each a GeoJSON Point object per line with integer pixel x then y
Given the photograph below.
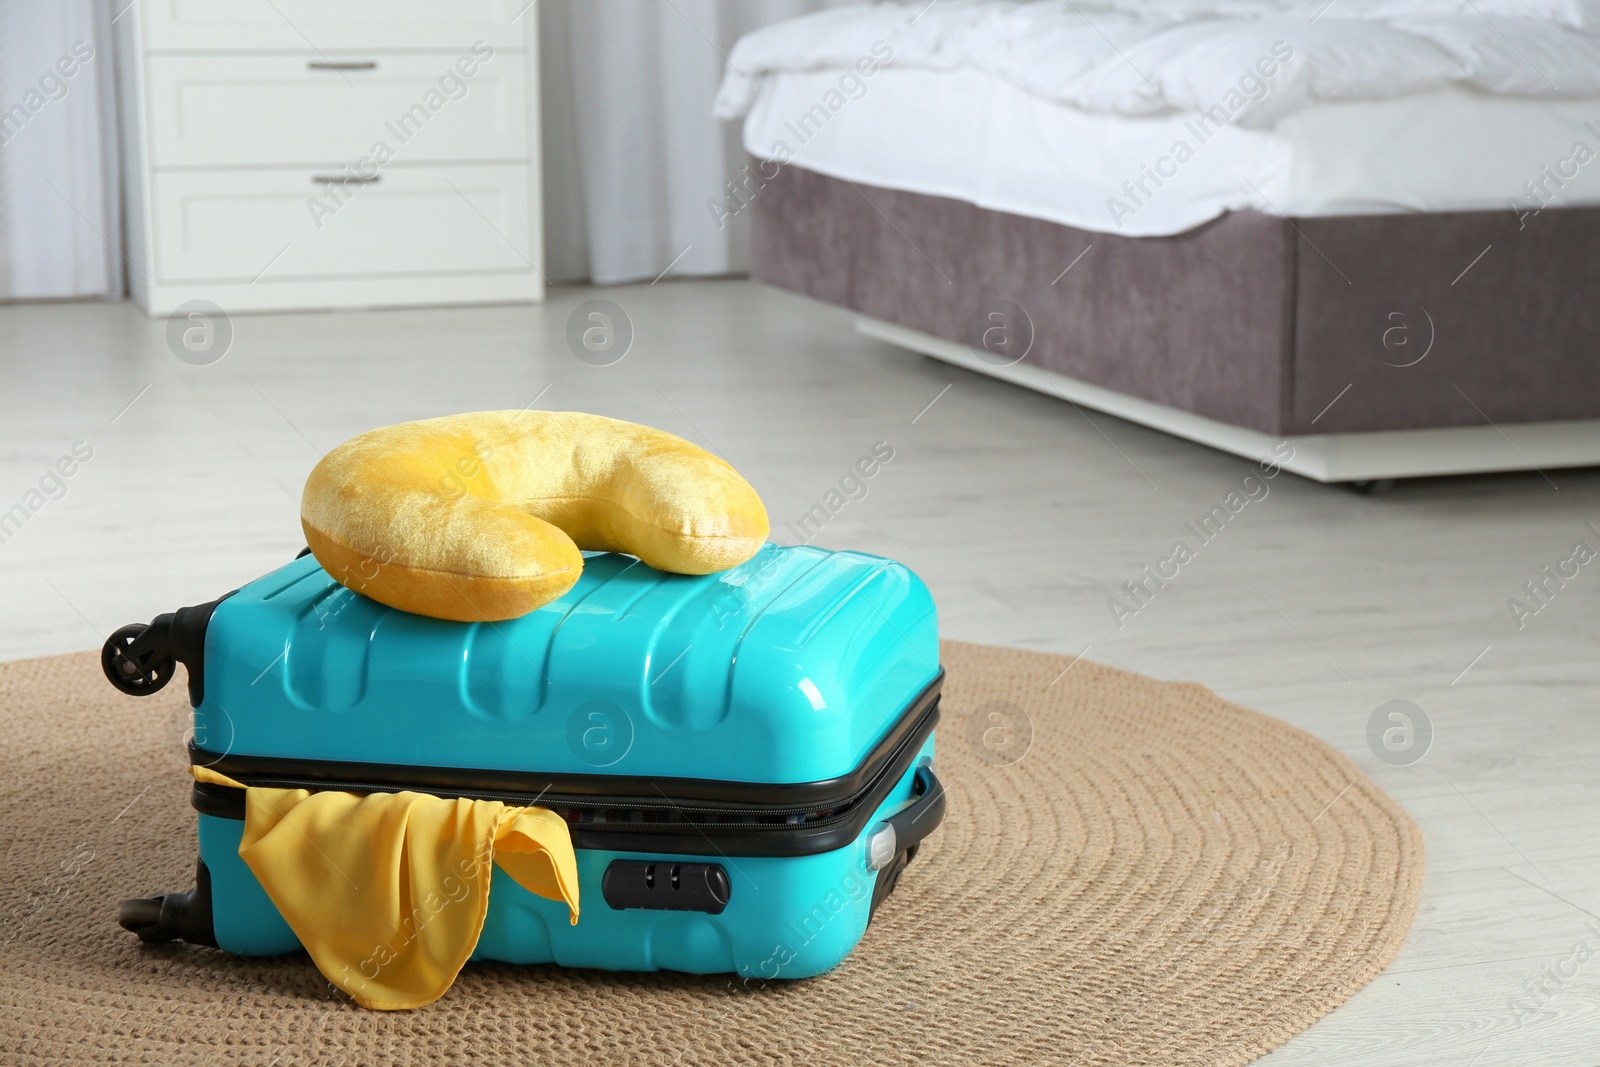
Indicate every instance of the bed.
{"type": "Point", "coordinates": [1367, 238]}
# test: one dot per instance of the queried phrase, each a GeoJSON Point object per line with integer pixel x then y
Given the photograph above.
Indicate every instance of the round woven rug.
{"type": "Point", "coordinates": [1130, 872]}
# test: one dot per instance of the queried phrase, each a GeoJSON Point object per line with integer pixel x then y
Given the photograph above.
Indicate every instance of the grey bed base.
{"type": "Point", "coordinates": [1379, 346]}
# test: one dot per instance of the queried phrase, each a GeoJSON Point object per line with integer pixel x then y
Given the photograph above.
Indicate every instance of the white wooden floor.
{"type": "Point", "coordinates": [1024, 515]}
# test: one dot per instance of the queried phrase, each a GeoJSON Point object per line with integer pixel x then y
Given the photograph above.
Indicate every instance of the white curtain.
{"type": "Point", "coordinates": [60, 222]}
{"type": "Point", "coordinates": [632, 154]}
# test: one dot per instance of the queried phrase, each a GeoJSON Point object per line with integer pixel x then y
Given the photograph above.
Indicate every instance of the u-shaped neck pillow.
{"type": "Point", "coordinates": [480, 517]}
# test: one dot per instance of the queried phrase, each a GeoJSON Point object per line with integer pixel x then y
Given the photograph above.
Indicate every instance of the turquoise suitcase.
{"type": "Point", "coordinates": [744, 759]}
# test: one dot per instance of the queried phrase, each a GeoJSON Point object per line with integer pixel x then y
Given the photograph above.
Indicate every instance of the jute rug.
{"type": "Point", "coordinates": [1131, 872]}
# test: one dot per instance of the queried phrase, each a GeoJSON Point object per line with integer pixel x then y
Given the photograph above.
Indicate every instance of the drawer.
{"type": "Point", "coordinates": [277, 109]}
{"type": "Point", "coordinates": [310, 25]}
{"type": "Point", "coordinates": [281, 224]}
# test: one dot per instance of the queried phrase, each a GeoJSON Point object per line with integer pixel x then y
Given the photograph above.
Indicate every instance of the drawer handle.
{"type": "Point", "coordinates": [344, 179]}
{"type": "Point", "coordinates": [353, 64]}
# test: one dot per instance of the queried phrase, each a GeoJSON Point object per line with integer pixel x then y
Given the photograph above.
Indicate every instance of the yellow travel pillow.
{"type": "Point", "coordinates": [388, 892]}
{"type": "Point", "coordinates": [480, 517]}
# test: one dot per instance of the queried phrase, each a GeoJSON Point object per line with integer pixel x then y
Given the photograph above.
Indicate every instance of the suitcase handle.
{"type": "Point", "coordinates": [906, 828]}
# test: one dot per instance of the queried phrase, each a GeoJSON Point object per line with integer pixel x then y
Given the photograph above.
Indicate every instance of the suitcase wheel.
{"type": "Point", "coordinates": [135, 672]}
{"type": "Point", "coordinates": [172, 916]}
{"type": "Point", "coordinates": [140, 658]}
{"type": "Point", "coordinates": [141, 915]}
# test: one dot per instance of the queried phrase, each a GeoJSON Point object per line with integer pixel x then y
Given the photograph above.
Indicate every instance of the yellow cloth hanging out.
{"type": "Point", "coordinates": [388, 892]}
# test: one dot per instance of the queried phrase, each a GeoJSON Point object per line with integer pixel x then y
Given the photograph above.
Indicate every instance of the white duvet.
{"type": "Point", "coordinates": [1260, 60]}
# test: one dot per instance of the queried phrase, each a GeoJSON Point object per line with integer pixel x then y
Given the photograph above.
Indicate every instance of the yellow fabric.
{"type": "Point", "coordinates": [481, 516]}
{"type": "Point", "coordinates": [388, 892]}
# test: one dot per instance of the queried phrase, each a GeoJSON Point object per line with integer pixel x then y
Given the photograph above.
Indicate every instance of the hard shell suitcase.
{"type": "Point", "coordinates": [743, 759]}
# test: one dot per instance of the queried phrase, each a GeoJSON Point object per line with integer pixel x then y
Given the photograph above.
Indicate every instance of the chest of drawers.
{"type": "Point", "coordinates": [283, 154]}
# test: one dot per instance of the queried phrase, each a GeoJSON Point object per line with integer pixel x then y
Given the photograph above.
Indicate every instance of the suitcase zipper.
{"type": "Point", "coordinates": [607, 821]}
